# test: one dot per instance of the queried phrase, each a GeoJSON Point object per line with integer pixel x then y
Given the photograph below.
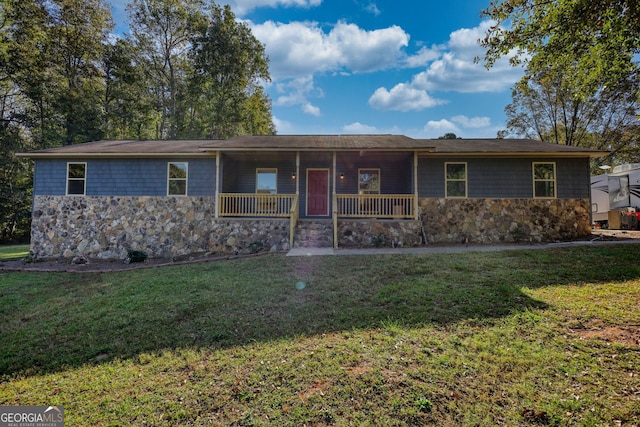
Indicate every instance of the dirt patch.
{"type": "Point", "coordinates": [627, 336]}
{"type": "Point", "coordinates": [613, 235]}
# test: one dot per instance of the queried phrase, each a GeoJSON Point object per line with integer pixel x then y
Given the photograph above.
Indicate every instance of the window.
{"type": "Point", "coordinates": [76, 178]}
{"type": "Point", "coordinates": [544, 180]}
{"type": "Point", "coordinates": [369, 181]}
{"type": "Point", "coordinates": [266, 181]}
{"type": "Point", "coordinates": [177, 181]}
{"type": "Point", "coordinates": [456, 179]}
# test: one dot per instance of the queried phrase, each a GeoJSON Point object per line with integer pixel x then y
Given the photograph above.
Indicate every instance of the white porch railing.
{"type": "Point", "coordinates": [375, 205]}
{"type": "Point", "coordinates": [394, 206]}
{"type": "Point", "coordinates": [256, 205]}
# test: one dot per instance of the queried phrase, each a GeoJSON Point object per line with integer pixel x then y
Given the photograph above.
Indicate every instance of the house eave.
{"type": "Point", "coordinates": [311, 149]}
{"type": "Point", "coordinates": [511, 155]}
{"type": "Point", "coordinates": [36, 155]}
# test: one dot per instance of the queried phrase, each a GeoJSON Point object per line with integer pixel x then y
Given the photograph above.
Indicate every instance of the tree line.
{"type": "Point", "coordinates": [186, 70]}
{"type": "Point", "coordinates": [581, 85]}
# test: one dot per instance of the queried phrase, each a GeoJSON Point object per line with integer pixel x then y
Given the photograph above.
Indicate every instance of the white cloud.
{"type": "Point", "coordinates": [312, 110]}
{"type": "Point", "coordinates": [359, 128]}
{"type": "Point", "coordinates": [372, 8]}
{"type": "Point", "coordinates": [298, 49]}
{"type": "Point", "coordinates": [450, 67]}
{"type": "Point", "coordinates": [458, 125]}
{"type": "Point", "coordinates": [301, 48]}
{"type": "Point", "coordinates": [442, 125]}
{"type": "Point", "coordinates": [457, 71]}
{"type": "Point", "coordinates": [472, 123]}
{"type": "Point", "coordinates": [366, 51]}
{"type": "Point", "coordinates": [402, 97]}
{"type": "Point", "coordinates": [241, 7]}
{"type": "Point", "coordinates": [423, 57]}
{"type": "Point", "coordinates": [282, 126]}
{"type": "Point", "coordinates": [296, 91]}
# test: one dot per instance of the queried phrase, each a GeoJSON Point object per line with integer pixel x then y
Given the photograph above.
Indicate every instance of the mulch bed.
{"type": "Point", "coordinates": [104, 266]}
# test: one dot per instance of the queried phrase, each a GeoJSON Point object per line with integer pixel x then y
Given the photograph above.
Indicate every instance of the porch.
{"type": "Point", "coordinates": [357, 207]}
{"type": "Point", "coordinates": [320, 186]}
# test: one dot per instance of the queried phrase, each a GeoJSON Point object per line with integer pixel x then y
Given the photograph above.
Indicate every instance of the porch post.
{"type": "Point", "coordinates": [334, 208]}
{"type": "Point", "coordinates": [334, 172]}
{"type": "Point", "coordinates": [298, 172]}
{"type": "Point", "coordinates": [217, 184]}
{"type": "Point", "coordinates": [415, 184]}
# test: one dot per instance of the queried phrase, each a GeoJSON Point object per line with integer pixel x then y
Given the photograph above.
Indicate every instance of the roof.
{"type": "Point", "coordinates": [430, 147]}
{"type": "Point", "coordinates": [122, 148]}
{"type": "Point", "coordinates": [509, 147]}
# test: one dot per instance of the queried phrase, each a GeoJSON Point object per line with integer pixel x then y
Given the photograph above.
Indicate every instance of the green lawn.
{"type": "Point", "coordinates": [8, 252]}
{"type": "Point", "coordinates": [541, 337]}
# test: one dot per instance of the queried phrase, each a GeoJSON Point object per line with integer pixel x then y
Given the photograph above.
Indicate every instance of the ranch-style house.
{"type": "Point", "coordinates": [271, 193]}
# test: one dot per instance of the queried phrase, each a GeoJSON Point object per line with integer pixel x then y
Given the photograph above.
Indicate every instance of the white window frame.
{"type": "Point", "coordinates": [536, 180]}
{"type": "Point", "coordinates": [185, 179]}
{"type": "Point", "coordinates": [84, 179]}
{"type": "Point", "coordinates": [267, 170]}
{"type": "Point", "coordinates": [465, 180]}
{"type": "Point", "coordinates": [377, 170]}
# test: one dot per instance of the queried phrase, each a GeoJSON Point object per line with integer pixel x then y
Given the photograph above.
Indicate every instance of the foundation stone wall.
{"type": "Point", "coordinates": [168, 227]}
{"type": "Point", "coordinates": [371, 233]}
{"type": "Point", "coordinates": [163, 227]}
{"type": "Point", "coordinates": [504, 220]}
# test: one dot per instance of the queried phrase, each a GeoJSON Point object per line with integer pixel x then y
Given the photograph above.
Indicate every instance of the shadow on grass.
{"type": "Point", "coordinates": [53, 321]}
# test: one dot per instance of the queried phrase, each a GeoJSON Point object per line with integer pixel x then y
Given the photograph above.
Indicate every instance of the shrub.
{"type": "Point", "coordinates": [135, 256]}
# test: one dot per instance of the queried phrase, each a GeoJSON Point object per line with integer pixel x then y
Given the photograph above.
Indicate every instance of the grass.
{"type": "Point", "coordinates": [511, 338]}
{"type": "Point", "coordinates": [9, 252]}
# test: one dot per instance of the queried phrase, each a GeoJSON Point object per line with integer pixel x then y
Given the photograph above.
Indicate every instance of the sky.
{"type": "Point", "coordinates": [376, 66]}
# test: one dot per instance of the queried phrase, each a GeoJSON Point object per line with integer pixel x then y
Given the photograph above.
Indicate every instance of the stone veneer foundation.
{"type": "Point", "coordinates": [108, 226]}
{"type": "Point", "coordinates": [163, 227]}
{"type": "Point", "coordinates": [504, 220]}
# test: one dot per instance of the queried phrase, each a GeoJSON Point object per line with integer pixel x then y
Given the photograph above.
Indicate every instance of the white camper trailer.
{"type": "Point", "coordinates": [616, 192]}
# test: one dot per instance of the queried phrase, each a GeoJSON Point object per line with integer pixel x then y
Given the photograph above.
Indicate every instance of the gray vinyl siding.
{"type": "Point", "coordinates": [504, 177]}
{"type": "Point", "coordinates": [125, 177]}
{"type": "Point", "coordinates": [396, 171]}
{"type": "Point", "coordinates": [574, 179]}
{"type": "Point", "coordinates": [239, 172]}
{"type": "Point", "coordinates": [50, 177]}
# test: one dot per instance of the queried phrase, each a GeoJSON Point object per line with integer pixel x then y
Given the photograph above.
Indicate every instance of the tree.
{"type": "Point", "coordinates": [52, 51]}
{"type": "Point", "coordinates": [15, 174]}
{"type": "Point", "coordinates": [129, 107]}
{"type": "Point", "coordinates": [601, 39]}
{"type": "Point", "coordinates": [26, 65]}
{"type": "Point", "coordinates": [78, 32]}
{"type": "Point", "coordinates": [545, 106]}
{"type": "Point", "coordinates": [229, 65]}
{"type": "Point", "coordinates": [257, 114]}
{"type": "Point", "coordinates": [161, 31]}
{"type": "Point", "coordinates": [449, 135]}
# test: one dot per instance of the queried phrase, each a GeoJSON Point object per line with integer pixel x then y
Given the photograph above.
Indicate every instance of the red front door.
{"type": "Point", "coordinates": [318, 192]}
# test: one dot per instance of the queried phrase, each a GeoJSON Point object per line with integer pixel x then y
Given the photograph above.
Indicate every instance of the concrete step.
{"type": "Point", "coordinates": [313, 234]}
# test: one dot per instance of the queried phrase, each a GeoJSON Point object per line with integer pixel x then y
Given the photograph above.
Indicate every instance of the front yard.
{"type": "Point", "coordinates": [541, 337]}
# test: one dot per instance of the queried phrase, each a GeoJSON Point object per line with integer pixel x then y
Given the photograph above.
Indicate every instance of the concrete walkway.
{"type": "Point", "coordinates": [450, 249]}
